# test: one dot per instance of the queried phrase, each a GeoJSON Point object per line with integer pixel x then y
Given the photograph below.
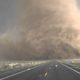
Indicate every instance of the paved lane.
{"type": "Point", "coordinates": [51, 71]}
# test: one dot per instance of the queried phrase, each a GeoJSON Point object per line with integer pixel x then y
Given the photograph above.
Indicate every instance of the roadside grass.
{"type": "Point", "coordinates": [75, 66]}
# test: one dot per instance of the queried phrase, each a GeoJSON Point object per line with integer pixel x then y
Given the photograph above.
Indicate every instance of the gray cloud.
{"type": "Point", "coordinates": [8, 14]}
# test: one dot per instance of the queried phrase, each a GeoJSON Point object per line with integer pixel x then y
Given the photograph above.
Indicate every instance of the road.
{"type": "Point", "coordinates": [50, 71]}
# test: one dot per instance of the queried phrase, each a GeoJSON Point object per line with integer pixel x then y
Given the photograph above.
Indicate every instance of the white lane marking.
{"type": "Point", "coordinates": [70, 68]}
{"type": "Point", "coordinates": [18, 73]}
{"type": "Point", "coordinates": [56, 65]}
{"type": "Point", "coordinates": [29, 69]}
{"type": "Point", "coordinates": [45, 74]}
{"type": "Point", "coordinates": [7, 72]}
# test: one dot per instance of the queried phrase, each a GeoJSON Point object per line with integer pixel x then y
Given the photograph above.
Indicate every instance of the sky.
{"type": "Point", "coordinates": [9, 14]}
{"type": "Point", "coordinates": [37, 15]}
{"type": "Point", "coordinates": [78, 3]}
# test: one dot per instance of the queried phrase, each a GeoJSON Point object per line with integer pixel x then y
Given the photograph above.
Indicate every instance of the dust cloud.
{"type": "Point", "coordinates": [47, 29]}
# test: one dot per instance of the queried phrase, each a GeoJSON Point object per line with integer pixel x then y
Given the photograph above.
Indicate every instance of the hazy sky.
{"type": "Point", "coordinates": [8, 14]}
{"type": "Point", "coordinates": [78, 2]}
{"type": "Point", "coordinates": [37, 33]}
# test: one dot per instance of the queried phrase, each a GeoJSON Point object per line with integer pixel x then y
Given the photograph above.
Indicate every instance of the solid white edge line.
{"type": "Point", "coordinates": [7, 72]}
{"type": "Point", "coordinates": [17, 73]}
{"type": "Point", "coordinates": [70, 68]}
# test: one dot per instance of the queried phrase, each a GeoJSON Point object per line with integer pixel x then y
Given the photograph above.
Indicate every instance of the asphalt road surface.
{"type": "Point", "coordinates": [50, 71]}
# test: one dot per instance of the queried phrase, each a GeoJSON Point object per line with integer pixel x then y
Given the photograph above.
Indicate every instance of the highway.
{"type": "Point", "coordinates": [49, 71]}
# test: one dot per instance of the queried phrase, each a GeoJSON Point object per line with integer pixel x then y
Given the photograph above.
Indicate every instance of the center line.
{"type": "Point", "coordinates": [45, 74]}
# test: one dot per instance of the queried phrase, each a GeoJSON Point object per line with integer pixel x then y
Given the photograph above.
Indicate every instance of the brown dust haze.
{"type": "Point", "coordinates": [46, 29]}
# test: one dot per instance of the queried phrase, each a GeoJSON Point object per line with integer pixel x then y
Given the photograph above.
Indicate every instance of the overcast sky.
{"type": "Point", "coordinates": [78, 2]}
{"type": "Point", "coordinates": [8, 14]}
